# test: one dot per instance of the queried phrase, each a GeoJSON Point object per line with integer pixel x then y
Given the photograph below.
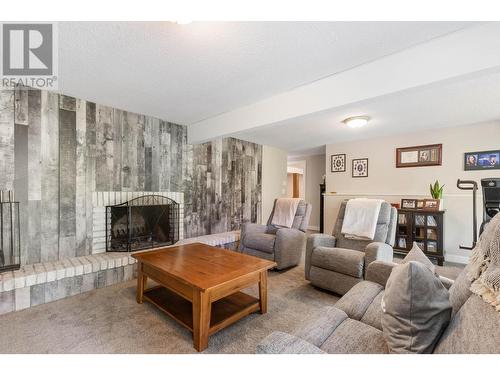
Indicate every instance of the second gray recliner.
{"type": "Point", "coordinates": [283, 245]}
{"type": "Point", "coordinates": [338, 263]}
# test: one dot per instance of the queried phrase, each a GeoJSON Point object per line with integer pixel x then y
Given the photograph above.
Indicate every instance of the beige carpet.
{"type": "Point", "coordinates": [109, 320]}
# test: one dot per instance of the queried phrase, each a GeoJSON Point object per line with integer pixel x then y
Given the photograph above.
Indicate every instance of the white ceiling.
{"type": "Point", "coordinates": [456, 102]}
{"type": "Point", "coordinates": [188, 73]}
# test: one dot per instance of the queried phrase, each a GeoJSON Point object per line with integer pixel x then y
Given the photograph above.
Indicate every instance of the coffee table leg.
{"type": "Point", "coordinates": [141, 283]}
{"type": "Point", "coordinates": [263, 292]}
{"type": "Point", "coordinates": [201, 319]}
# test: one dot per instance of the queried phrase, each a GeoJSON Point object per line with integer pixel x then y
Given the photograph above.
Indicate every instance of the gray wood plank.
{"type": "Point", "coordinates": [117, 149]}
{"type": "Point", "coordinates": [141, 156]}
{"type": "Point", "coordinates": [21, 105]}
{"type": "Point", "coordinates": [50, 182]}
{"type": "Point", "coordinates": [67, 103]}
{"type": "Point", "coordinates": [67, 183]}
{"type": "Point", "coordinates": [104, 148]}
{"type": "Point", "coordinates": [90, 171]}
{"type": "Point", "coordinates": [81, 247]}
{"type": "Point", "coordinates": [21, 183]}
{"type": "Point", "coordinates": [7, 139]}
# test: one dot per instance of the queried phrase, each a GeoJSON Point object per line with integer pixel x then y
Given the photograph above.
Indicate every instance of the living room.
{"type": "Point", "coordinates": [237, 185]}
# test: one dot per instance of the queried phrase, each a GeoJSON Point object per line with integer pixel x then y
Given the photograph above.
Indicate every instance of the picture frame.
{"type": "Point", "coordinates": [482, 160]}
{"type": "Point", "coordinates": [360, 167]}
{"type": "Point", "coordinates": [419, 156]}
{"type": "Point", "coordinates": [420, 204]}
{"type": "Point", "coordinates": [408, 204]}
{"type": "Point", "coordinates": [431, 204]}
{"type": "Point", "coordinates": [338, 162]}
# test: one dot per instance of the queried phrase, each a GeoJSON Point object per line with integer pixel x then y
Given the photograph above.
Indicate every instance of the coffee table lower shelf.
{"type": "Point", "coordinates": [224, 312]}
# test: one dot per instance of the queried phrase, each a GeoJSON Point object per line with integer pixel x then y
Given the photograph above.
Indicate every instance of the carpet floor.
{"type": "Point", "coordinates": [109, 320]}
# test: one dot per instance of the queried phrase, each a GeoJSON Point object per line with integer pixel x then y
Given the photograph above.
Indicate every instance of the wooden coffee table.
{"type": "Point", "coordinates": [200, 286]}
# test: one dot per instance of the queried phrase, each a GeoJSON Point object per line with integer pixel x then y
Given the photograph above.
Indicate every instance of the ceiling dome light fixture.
{"type": "Point", "coordinates": [356, 121]}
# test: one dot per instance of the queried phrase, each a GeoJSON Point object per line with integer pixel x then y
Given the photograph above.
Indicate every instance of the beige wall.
{"type": "Point", "coordinates": [274, 178]}
{"type": "Point", "coordinates": [391, 183]}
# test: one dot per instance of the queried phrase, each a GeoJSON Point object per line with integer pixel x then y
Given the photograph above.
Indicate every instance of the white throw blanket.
{"type": "Point", "coordinates": [360, 218]}
{"type": "Point", "coordinates": [284, 212]}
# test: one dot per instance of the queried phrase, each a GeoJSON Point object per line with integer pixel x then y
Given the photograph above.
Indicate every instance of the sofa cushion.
{"type": "Point", "coordinates": [260, 241]}
{"type": "Point", "coordinates": [336, 282]}
{"type": "Point", "coordinates": [373, 315]}
{"type": "Point", "coordinates": [474, 329]}
{"type": "Point", "coordinates": [357, 300]}
{"type": "Point", "coordinates": [345, 261]}
{"type": "Point", "coordinates": [416, 309]}
{"type": "Point", "coordinates": [352, 337]}
{"type": "Point", "coordinates": [321, 326]}
{"type": "Point", "coordinates": [417, 255]}
{"type": "Point", "coordinates": [460, 291]}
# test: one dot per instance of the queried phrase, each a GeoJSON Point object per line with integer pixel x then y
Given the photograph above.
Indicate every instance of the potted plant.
{"type": "Point", "coordinates": [437, 193]}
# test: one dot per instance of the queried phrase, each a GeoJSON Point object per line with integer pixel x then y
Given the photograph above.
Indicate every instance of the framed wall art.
{"type": "Point", "coordinates": [360, 167]}
{"type": "Point", "coordinates": [419, 156]}
{"type": "Point", "coordinates": [338, 163]}
{"type": "Point", "coordinates": [481, 160]}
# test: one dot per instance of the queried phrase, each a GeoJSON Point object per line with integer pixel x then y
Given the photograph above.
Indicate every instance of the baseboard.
{"type": "Point", "coordinates": [457, 259]}
{"type": "Point", "coordinates": [313, 227]}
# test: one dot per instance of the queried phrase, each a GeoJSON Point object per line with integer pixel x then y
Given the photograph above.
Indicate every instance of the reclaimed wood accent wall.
{"type": "Point", "coordinates": [55, 151]}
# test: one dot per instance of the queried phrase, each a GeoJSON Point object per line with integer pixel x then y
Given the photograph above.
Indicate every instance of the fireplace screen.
{"type": "Point", "coordinates": [142, 223]}
{"type": "Point", "coordinates": [10, 252]}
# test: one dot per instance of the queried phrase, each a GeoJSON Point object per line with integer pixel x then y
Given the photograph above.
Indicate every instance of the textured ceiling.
{"type": "Point", "coordinates": [457, 102]}
{"type": "Point", "coordinates": [186, 73]}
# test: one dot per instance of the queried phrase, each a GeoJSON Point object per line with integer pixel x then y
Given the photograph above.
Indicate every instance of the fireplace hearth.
{"type": "Point", "coordinates": [142, 223]}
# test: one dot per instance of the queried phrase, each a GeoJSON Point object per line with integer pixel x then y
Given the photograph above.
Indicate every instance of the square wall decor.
{"type": "Point", "coordinates": [338, 163]}
{"type": "Point", "coordinates": [360, 167]}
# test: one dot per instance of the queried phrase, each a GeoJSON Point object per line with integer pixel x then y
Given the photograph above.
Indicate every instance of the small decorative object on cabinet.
{"type": "Point", "coordinates": [423, 226]}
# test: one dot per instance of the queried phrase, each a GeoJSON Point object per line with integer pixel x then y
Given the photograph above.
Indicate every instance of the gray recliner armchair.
{"type": "Point", "coordinates": [282, 245]}
{"type": "Point", "coordinates": [338, 263]}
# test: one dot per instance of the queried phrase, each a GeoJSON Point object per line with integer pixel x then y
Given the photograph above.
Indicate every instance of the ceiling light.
{"type": "Point", "coordinates": [356, 121]}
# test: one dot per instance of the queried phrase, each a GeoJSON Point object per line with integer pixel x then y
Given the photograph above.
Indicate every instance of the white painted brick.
{"type": "Point", "coordinates": [22, 298]}
{"type": "Point", "coordinates": [69, 268]}
{"type": "Point", "coordinates": [19, 279]}
{"type": "Point", "coordinates": [29, 273]}
{"type": "Point", "coordinates": [96, 264]}
{"type": "Point", "coordinates": [51, 272]}
{"type": "Point", "coordinates": [8, 281]}
{"type": "Point", "coordinates": [77, 265]}
{"type": "Point", "coordinates": [60, 270]}
{"type": "Point", "coordinates": [103, 262]}
{"type": "Point", "coordinates": [41, 273]}
{"type": "Point", "coordinates": [87, 265]}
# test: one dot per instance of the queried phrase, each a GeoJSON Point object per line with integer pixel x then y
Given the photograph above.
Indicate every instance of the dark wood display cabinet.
{"type": "Point", "coordinates": [425, 228]}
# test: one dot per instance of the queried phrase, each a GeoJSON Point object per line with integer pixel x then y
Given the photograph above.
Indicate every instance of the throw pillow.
{"type": "Point", "coordinates": [417, 255]}
{"type": "Point", "coordinates": [416, 309]}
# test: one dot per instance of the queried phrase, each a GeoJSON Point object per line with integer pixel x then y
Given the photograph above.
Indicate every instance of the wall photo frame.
{"type": "Point", "coordinates": [481, 160]}
{"type": "Point", "coordinates": [360, 167]}
{"type": "Point", "coordinates": [419, 156]}
{"type": "Point", "coordinates": [338, 163]}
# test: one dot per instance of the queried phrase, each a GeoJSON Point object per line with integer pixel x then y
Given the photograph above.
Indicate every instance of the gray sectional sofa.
{"type": "Point", "coordinates": [353, 325]}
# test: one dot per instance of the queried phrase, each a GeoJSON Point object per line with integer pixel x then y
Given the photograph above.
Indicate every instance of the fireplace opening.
{"type": "Point", "coordinates": [142, 223]}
